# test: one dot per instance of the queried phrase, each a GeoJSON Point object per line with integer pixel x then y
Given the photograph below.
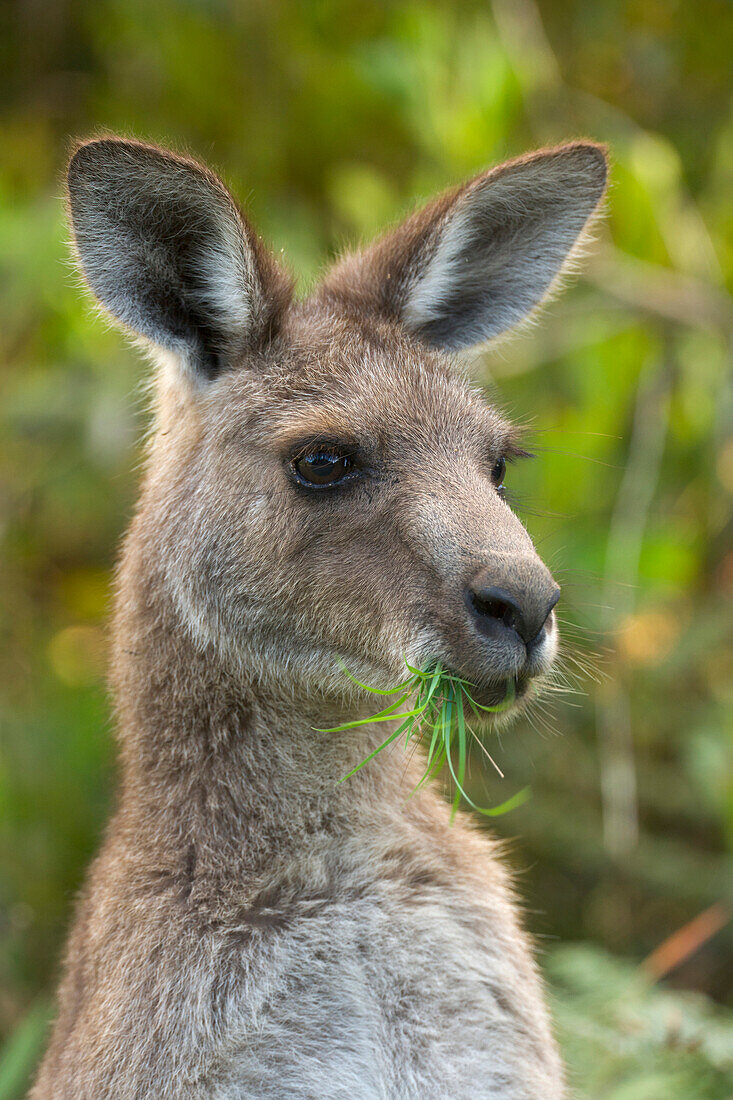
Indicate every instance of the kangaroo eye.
{"type": "Point", "coordinates": [499, 472]}
{"type": "Point", "coordinates": [322, 468]}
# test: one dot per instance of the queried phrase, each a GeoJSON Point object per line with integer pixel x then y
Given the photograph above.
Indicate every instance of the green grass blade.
{"type": "Point", "coordinates": [371, 755]}
{"type": "Point", "coordinates": [434, 739]}
{"type": "Point", "coordinates": [461, 723]}
{"type": "Point", "coordinates": [373, 690]}
{"type": "Point", "coordinates": [429, 773]}
{"type": "Point", "coordinates": [381, 716]}
{"type": "Point", "coordinates": [511, 694]}
{"type": "Point", "coordinates": [421, 673]}
{"type": "Point", "coordinates": [517, 799]}
{"type": "Point", "coordinates": [439, 709]}
{"type": "Point", "coordinates": [433, 685]}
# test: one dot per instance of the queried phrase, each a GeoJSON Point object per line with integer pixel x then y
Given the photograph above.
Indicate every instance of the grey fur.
{"type": "Point", "coordinates": [252, 927]}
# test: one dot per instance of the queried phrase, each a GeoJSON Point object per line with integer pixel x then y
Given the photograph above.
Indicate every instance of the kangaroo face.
{"type": "Point", "coordinates": [367, 524]}
{"type": "Point", "coordinates": [323, 483]}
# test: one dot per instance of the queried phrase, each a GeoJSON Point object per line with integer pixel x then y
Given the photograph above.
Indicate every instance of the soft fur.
{"type": "Point", "coordinates": [252, 927]}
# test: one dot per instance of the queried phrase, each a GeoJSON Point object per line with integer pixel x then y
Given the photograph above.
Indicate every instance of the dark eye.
{"type": "Point", "coordinates": [323, 467]}
{"type": "Point", "coordinates": [498, 472]}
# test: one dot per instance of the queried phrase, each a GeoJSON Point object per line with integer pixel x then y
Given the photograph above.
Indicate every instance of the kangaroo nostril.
{"type": "Point", "coordinates": [496, 603]}
{"type": "Point", "coordinates": [493, 607]}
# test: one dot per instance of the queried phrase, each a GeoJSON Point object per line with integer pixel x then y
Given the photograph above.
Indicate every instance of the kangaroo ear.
{"type": "Point", "coordinates": [477, 260]}
{"type": "Point", "coordinates": [165, 250]}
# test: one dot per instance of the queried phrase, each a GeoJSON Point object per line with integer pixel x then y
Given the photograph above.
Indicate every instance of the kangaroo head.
{"type": "Point", "coordinates": [323, 483]}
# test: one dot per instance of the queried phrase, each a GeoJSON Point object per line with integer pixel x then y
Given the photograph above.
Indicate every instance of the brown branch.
{"type": "Point", "coordinates": [683, 943]}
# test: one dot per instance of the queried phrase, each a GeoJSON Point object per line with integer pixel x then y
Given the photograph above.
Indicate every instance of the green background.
{"type": "Point", "coordinates": [329, 120]}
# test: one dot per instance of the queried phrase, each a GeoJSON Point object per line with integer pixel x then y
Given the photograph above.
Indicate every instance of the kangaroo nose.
{"type": "Point", "coordinates": [494, 607]}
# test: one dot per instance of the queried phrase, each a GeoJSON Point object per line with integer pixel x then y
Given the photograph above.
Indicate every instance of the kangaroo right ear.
{"type": "Point", "coordinates": [477, 260]}
{"type": "Point", "coordinates": [165, 250]}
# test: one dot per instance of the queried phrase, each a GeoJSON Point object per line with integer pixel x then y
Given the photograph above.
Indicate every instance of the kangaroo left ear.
{"type": "Point", "coordinates": [166, 251]}
{"type": "Point", "coordinates": [477, 260]}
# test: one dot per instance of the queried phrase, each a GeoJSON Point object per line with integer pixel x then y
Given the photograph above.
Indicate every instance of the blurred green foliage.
{"type": "Point", "coordinates": [330, 119]}
{"type": "Point", "coordinates": [624, 1040]}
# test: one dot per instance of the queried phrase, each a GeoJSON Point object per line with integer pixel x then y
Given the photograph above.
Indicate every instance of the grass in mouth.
{"type": "Point", "coordinates": [436, 717]}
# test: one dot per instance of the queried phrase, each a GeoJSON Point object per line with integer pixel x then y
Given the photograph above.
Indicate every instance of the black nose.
{"type": "Point", "coordinates": [526, 614]}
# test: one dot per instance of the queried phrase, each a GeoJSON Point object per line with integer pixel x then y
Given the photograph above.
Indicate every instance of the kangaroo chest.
{"type": "Point", "coordinates": [397, 989]}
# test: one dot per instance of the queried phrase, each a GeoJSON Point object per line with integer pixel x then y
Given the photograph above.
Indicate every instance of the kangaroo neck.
{"type": "Point", "coordinates": [212, 759]}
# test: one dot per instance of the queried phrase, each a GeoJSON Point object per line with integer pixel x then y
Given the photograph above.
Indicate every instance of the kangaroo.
{"type": "Point", "coordinates": [323, 487]}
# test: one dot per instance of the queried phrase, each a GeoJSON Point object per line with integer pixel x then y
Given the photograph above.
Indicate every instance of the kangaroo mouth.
{"type": "Point", "coordinates": [498, 695]}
